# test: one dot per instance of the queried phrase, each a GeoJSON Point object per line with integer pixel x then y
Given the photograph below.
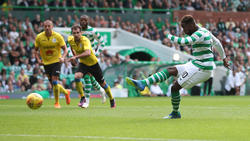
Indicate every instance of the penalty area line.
{"type": "Point", "coordinates": [99, 137]}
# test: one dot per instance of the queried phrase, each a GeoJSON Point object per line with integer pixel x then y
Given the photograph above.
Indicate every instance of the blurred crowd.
{"type": "Point", "coordinates": [120, 5]}
{"type": "Point", "coordinates": [18, 65]}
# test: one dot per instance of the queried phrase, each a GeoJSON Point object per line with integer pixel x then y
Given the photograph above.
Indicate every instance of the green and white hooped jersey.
{"type": "Point", "coordinates": [95, 38]}
{"type": "Point", "coordinates": [202, 42]}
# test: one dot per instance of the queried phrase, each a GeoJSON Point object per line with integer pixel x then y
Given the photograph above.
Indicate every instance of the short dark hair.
{"type": "Point", "coordinates": [187, 19]}
{"type": "Point", "coordinates": [76, 26]}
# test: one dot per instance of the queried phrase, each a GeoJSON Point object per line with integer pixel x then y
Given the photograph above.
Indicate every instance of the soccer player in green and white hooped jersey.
{"type": "Point", "coordinates": [191, 73]}
{"type": "Point", "coordinates": [93, 36]}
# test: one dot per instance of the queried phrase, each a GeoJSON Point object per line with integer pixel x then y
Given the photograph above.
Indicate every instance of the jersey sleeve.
{"type": "Point", "coordinates": [217, 44]}
{"type": "Point", "coordinates": [189, 40]}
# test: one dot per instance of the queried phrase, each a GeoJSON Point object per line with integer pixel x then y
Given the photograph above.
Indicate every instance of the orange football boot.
{"type": "Point", "coordinates": [67, 96]}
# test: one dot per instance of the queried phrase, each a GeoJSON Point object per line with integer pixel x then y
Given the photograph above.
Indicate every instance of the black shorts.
{"type": "Point", "coordinates": [53, 69]}
{"type": "Point", "coordinates": [95, 70]}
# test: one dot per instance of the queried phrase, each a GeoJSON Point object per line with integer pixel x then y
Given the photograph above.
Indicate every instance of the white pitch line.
{"type": "Point", "coordinates": [100, 137]}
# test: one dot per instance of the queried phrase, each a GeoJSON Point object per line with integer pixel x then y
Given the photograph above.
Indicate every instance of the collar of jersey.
{"type": "Point", "coordinates": [53, 32]}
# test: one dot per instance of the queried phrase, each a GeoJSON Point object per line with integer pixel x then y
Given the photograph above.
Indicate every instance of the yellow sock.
{"type": "Point", "coordinates": [108, 92]}
{"type": "Point", "coordinates": [79, 88]}
{"type": "Point", "coordinates": [61, 89]}
{"type": "Point", "coordinates": [56, 92]}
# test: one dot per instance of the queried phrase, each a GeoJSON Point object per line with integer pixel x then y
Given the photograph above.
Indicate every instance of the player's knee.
{"type": "Point", "coordinates": [101, 82]}
{"type": "Point", "coordinates": [172, 71]}
{"type": "Point", "coordinates": [176, 87]}
{"type": "Point", "coordinates": [105, 86]}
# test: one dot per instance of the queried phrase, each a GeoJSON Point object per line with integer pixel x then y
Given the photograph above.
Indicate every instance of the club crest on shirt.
{"type": "Point", "coordinates": [54, 40]}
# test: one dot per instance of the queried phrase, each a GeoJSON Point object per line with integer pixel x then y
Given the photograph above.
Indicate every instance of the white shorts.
{"type": "Point", "coordinates": [189, 75]}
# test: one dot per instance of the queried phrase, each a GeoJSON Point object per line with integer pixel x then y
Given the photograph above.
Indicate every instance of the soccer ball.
{"type": "Point", "coordinates": [34, 100]}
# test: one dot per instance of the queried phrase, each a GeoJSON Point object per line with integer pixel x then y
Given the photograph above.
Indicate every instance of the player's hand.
{"type": "Point", "coordinates": [61, 60]}
{"type": "Point", "coordinates": [226, 64]}
{"type": "Point", "coordinates": [72, 59]}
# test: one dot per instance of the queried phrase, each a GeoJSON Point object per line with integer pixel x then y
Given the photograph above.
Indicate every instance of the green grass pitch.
{"type": "Point", "coordinates": [135, 119]}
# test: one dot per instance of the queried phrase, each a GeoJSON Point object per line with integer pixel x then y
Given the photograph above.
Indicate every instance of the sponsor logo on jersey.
{"type": "Point", "coordinates": [54, 40]}
{"type": "Point", "coordinates": [49, 52]}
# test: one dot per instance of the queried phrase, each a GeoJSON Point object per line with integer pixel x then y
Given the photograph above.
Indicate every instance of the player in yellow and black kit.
{"type": "Point", "coordinates": [81, 48]}
{"type": "Point", "coordinates": [48, 45]}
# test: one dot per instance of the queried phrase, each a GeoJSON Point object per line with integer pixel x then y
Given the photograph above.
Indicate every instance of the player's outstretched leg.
{"type": "Point", "coordinates": [87, 90]}
{"type": "Point", "coordinates": [175, 100]}
{"type": "Point", "coordinates": [136, 83]}
{"type": "Point", "coordinates": [80, 91]}
{"type": "Point", "coordinates": [99, 88]}
{"type": "Point", "coordinates": [157, 77]}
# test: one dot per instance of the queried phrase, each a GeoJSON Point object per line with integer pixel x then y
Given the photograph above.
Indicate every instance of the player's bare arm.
{"type": "Point", "coordinates": [65, 52]}
{"type": "Point", "coordinates": [84, 54]}
{"type": "Point", "coordinates": [37, 55]}
{"type": "Point", "coordinates": [73, 62]}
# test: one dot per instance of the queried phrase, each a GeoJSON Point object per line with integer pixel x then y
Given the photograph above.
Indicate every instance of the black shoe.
{"type": "Point", "coordinates": [112, 103]}
{"type": "Point", "coordinates": [82, 101]}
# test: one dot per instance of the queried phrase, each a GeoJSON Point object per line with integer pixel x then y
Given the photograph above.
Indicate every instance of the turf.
{"type": "Point", "coordinates": [134, 119]}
